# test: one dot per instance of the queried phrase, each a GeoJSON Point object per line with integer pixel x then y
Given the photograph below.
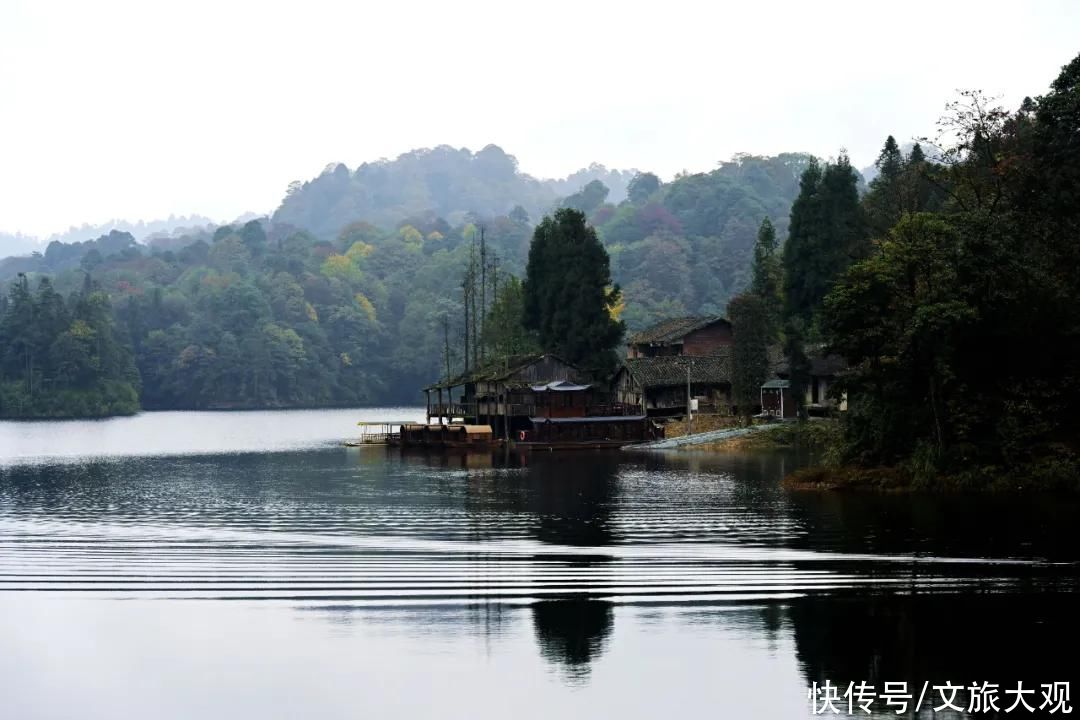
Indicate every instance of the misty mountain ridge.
{"type": "Point", "coordinates": [446, 181]}
{"type": "Point", "coordinates": [141, 230]}
{"type": "Point", "coordinates": [449, 182]}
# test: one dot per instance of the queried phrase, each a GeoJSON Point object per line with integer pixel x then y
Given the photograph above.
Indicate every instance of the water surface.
{"type": "Point", "coordinates": [246, 565]}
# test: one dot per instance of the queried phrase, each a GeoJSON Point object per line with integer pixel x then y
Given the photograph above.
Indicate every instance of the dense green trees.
{"type": "Point", "coordinates": [504, 332]}
{"type": "Point", "coordinates": [767, 277]}
{"type": "Point", "coordinates": [962, 328]}
{"type": "Point", "coordinates": [686, 247]}
{"type": "Point", "coordinates": [569, 298]}
{"type": "Point", "coordinates": [750, 323]}
{"type": "Point", "coordinates": [827, 233]}
{"type": "Point", "coordinates": [62, 358]}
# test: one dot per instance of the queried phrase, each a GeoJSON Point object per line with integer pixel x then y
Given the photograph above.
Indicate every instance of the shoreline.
{"type": "Point", "coordinates": [1047, 476]}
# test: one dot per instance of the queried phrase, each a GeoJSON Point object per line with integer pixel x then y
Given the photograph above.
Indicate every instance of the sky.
{"type": "Point", "coordinates": [138, 110]}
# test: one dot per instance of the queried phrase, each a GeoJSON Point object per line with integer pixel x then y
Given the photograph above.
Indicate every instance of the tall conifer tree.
{"type": "Point", "coordinates": [569, 293]}
{"type": "Point", "coordinates": [767, 276]}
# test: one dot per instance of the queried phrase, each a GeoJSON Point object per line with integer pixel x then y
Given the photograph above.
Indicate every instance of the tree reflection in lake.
{"type": "Point", "coordinates": [965, 638]}
{"type": "Point", "coordinates": [615, 579]}
{"type": "Point", "coordinates": [572, 633]}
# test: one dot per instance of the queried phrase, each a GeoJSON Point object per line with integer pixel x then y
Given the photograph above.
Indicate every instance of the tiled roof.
{"type": "Point", "coordinates": [673, 329]}
{"type": "Point", "coordinates": [671, 370]}
{"type": "Point", "coordinates": [496, 370]}
{"type": "Point", "coordinates": [821, 364]}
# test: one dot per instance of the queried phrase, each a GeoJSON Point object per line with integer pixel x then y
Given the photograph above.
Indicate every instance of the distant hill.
{"type": "Point", "coordinates": [60, 256]}
{"type": "Point", "coordinates": [140, 229]}
{"type": "Point", "coordinates": [18, 244]}
{"type": "Point", "coordinates": [452, 183]}
{"type": "Point", "coordinates": [616, 181]}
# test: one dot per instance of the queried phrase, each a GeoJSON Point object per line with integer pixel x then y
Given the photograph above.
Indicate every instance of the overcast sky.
{"type": "Point", "coordinates": [114, 109]}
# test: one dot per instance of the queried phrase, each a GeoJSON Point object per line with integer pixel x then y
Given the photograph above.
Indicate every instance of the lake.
{"type": "Point", "coordinates": [246, 565]}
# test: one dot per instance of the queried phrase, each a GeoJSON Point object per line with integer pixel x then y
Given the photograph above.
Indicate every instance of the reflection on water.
{"type": "Point", "coordinates": [607, 583]}
{"type": "Point", "coordinates": [571, 632]}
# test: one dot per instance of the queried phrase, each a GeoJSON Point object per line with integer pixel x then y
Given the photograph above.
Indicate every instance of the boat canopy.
{"type": "Point", "coordinates": [473, 429]}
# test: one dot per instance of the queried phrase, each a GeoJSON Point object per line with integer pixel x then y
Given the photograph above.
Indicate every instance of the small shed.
{"type": "Point", "coordinates": [467, 435]}
{"type": "Point", "coordinates": [776, 399]}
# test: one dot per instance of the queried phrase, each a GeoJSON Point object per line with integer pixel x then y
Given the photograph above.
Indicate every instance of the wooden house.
{"type": "Point", "coordinates": [695, 336]}
{"type": "Point", "coordinates": [509, 396]}
{"type": "Point", "coordinates": [675, 362]}
{"type": "Point", "coordinates": [662, 385]}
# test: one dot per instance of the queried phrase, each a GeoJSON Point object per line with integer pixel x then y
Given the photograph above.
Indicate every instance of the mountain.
{"type": "Point", "coordinates": [18, 244]}
{"type": "Point", "coordinates": [140, 229]}
{"type": "Point", "coordinates": [616, 181]}
{"type": "Point", "coordinates": [451, 183]}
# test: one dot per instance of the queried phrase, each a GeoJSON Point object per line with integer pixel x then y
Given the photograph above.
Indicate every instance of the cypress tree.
{"type": "Point", "coordinates": [767, 275]}
{"type": "Point", "coordinates": [827, 233]}
{"type": "Point", "coordinates": [802, 286]}
{"type": "Point", "coordinates": [917, 156]}
{"type": "Point", "coordinates": [569, 293]}
{"type": "Point", "coordinates": [885, 201]}
{"type": "Point", "coordinates": [750, 323]}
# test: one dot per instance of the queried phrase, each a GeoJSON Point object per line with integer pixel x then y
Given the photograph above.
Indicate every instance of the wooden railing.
{"type": "Point", "coordinates": [453, 410]}
{"type": "Point", "coordinates": [495, 409]}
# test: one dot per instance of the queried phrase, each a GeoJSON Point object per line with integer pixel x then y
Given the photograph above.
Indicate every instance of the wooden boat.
{"type": "Point", "coordinates": [377, 432]}
{"type": "Point", "coordinates": [452, 435]}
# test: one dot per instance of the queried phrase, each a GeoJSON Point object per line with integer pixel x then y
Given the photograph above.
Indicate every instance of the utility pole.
{"type": "Point", "coordinates": [483, 289]}
{"type": "Point", "coordinates": [446, 343]}
{"type": "Point", "coordinates": [466, 298]}
{"type": "Point", "coordinates": [494, 277]}
{"type": "Point", "coordinates": [689, 401]}
{"type": "Point", "coordinates": [472, 305]}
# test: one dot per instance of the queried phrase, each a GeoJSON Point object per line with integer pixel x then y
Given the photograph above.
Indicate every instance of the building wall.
{"type": "Point", "coordinates": [548, 369]}
{"type": "Point", "coordinates": [640, 351]}
{"type": "Point", "coordinates": [708, 340]}
{"type": "Point", "coordinates": [626, 390]}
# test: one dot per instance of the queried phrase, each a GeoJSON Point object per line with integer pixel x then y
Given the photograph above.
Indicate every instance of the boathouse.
{"type": "Point", "coordinates": [508, 395]}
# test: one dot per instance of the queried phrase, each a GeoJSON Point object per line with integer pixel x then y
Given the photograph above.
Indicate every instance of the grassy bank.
{"type": "Point", "coordinates": [814, 435]}
{"type": "Point", "coordinates": [1053, 474]}
{"type": "Point", "coordinates": [1056, 469]}
{"type": "Point", "coordinates": [701, 423]}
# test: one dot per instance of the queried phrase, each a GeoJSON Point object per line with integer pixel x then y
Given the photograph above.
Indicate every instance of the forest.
{"type": "Point", "coordinates": [951, 290]}
{"type": "Point", "coordinates": [318, 305]}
